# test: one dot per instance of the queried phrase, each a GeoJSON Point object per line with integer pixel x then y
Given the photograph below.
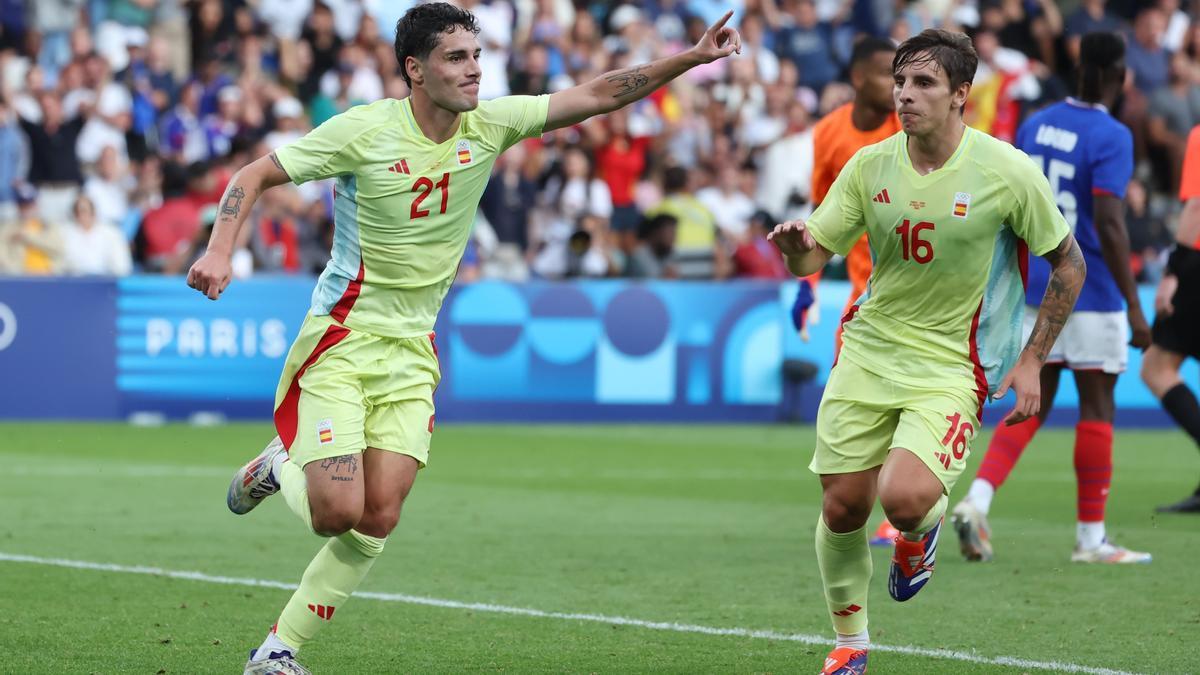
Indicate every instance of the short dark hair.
{"type": "Point", "coordinates": [650, 225]}
{"type": "Point", "coordinates": [675, 178]}
{"type": "Point", "coordinates": [869, 46]}
{"type": "Point", "coordinates": [953, 52]}
{"type": "Point", "coordinates": [1101, 58]}
{"type": "Point", "coordinates": [418, 31]}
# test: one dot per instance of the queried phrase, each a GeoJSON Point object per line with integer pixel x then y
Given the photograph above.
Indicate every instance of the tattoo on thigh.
{"type": "Point", "coordinates": [340, 468]}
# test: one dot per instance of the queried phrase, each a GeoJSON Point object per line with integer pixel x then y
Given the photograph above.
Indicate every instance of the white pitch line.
{"type": "Point", "coordinates": [571, 616]}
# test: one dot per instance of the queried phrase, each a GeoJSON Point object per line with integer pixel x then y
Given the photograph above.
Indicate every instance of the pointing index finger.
{"type": "Point", "coordinates": [721, 24]}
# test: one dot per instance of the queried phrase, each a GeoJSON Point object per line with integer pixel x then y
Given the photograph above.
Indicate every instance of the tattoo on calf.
{"type": "Point", "coordinates": [629, 81]}
{"type": "Point", "coordinates": [233, 203]}
{"type": "Point", "coordinates": [341, 468]}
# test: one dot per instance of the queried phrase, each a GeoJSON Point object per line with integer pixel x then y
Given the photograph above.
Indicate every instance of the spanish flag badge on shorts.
{"type": "Point", "coordinates": [962, 201]}
{"type": "Point", "coordinates": [464, 151]}
{"type": "Point", "coordinates": [325, 431]}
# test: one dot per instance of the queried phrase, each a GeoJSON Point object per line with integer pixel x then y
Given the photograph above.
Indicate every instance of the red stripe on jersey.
{"type": "Point", "coordinates": [1100, 192]}
{"type": "Point", "coordinates": [981, 384]}
{"type": "Point", "coordinates": [287, 414]}
{"type": "Point", "coordinates": [1023, 262]}
{"type": "Point", "coordinates": [342, 309]}
{"type": "Point", "coordinates": [846, 318]}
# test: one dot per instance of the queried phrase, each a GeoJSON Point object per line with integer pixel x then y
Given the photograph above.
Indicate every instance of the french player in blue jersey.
{"type": "Point", "coordinates": [1087, 155]}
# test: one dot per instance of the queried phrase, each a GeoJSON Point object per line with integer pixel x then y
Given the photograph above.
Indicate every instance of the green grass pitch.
{"type": "Point", "coordinates": [708, 526]}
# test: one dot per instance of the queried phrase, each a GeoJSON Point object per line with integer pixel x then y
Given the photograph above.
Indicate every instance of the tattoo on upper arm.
{"type": "Point", "coordinates": [233, 203]}
{"type": "Point", "coordinates": [629, 81]}
{"type": "Point", "coordinates": [277, 163]}
{"type": "Point", "coordinates": [341, 468]}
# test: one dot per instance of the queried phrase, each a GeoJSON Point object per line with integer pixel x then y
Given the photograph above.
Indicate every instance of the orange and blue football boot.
{"type": "Point", "coordinates": [912, 564]}
{"type": "Point", "coordinates": [845, 661]}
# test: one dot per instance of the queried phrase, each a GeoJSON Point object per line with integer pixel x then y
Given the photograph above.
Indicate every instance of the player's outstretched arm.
{"type": "Point", "coordinates": [1114, 245]}
{"type": "Point", "coordinates": [1066, 278]}
{"type": "Point", "coordinates": [212, 272]}
{"type": "Point", "coordinates": [619, 88]}
{"type": "Point", "coordinates": [800, 250]}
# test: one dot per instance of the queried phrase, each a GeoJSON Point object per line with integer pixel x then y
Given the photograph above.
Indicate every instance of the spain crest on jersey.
{"type": "Point", "coordinates": [464, 151]}
{"type": "Point", "coordinates": [962, 201]}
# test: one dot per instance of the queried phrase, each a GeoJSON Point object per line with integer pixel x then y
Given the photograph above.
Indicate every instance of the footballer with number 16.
{"type": "Point", "coordinates": [948, 212]}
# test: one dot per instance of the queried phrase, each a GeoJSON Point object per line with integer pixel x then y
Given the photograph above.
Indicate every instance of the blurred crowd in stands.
{"type": "Point", "coordinates": [121, 121]}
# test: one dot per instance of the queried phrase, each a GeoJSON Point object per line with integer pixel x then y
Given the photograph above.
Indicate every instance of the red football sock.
{"type": "Point", "coordinates": [1093, 468]}
{"type": "Point", "coordinates": [1005, 449]}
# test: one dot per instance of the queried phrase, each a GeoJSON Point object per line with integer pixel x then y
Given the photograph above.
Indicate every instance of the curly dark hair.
{"type": "Point", "coordinates": [953, 52]}
{"type": "Point", "coordinates": [1101, 61]}
{"type": "Point", "coordinates": [418, 31]}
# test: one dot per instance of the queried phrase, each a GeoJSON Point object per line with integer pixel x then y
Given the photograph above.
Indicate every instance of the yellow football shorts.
{"type": "Point", "coordinates": [863, 416]}
{"type": "Point", "coordinates": [343, 391]}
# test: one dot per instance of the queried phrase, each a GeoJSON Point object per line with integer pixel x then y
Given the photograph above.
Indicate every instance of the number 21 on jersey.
{"type": "Point", "coordinates": [423, 186]}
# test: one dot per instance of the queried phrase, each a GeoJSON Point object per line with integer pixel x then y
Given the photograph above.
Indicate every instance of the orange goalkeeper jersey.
{"type": "Point", "coordinates": [835, 140]}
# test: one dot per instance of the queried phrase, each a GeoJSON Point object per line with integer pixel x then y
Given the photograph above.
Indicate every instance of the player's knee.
{"type": "Point", "coordinates": [379, 522]}
{"type": "Point", "coordinates": [1156, 374]}
{"type": "Point", "coordinates": [335, 520]}
{"type": "Point", "coordinates": [905, 510]}
{"type": "Point", "coordinates": [843, 514]}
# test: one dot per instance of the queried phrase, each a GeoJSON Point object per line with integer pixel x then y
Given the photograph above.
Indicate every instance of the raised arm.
{"type": "Point", "coordinates": [1066, 278]}
{"type": "Point", "coordinates": [1114, 245]}
{"type": "Point", "coordinates": [212, 272]}
{"type": "Point", "coordinates": [619, 88]}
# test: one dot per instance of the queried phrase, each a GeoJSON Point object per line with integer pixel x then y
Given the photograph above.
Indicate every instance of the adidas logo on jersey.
{"type": "Point", "coordinates": [400, 167]}
{"type": "Point", "coordinates": [882, 197]}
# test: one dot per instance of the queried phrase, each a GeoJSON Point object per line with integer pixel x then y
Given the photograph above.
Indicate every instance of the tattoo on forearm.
{"type": "Point", "coordinates": [233, 203]}
{"type": "Point", "coordinates": [628, 81]}
{"type": "Point", "coordinates": [341, 468]}
{"type": "Point", "coordinates": [1061, 292]}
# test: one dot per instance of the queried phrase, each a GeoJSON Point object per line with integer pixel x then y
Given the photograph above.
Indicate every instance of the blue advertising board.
{"type": "Point", "coordinates": [57, 359]}
{"type": "Point", "coordinates": [582, 351]}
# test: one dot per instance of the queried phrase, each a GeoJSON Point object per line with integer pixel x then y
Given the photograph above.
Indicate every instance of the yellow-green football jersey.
{"type": "Point", "coordinates": [944, 301]}
{"type": "Point", "coordinates": [403, 205]}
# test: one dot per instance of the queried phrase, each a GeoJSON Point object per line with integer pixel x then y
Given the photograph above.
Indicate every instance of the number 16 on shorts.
{"type": "Point", "coordinates": [957, 439]}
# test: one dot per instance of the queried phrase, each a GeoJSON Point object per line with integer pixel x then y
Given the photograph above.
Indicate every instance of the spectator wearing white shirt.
{"type": "Point", "coordinates": [496, 21]}
{"type": "Point", "coordinates": [288, 113]}
{"type": "Point", "coordinates": [730, 205]}
{"type": "Point", "coordinates": [91, 246]}
{"type": "Point", "coordinates": [785, 181]}
{"type": "Point", "coordinates": [581, 198]}
{"type": "Point", "coordinates": [108, 188]}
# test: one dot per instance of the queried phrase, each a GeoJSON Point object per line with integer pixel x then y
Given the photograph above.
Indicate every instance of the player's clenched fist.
{"type": "Point", "coordinates": [792, 238]}
{"type": "Point", "coordinates": [210, 275]}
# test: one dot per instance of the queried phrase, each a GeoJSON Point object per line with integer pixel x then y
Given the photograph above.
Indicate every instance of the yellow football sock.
{"type": "Point", "coordinates": [338, 568]}
{"type": "Point", "coordinates": [845, 562]}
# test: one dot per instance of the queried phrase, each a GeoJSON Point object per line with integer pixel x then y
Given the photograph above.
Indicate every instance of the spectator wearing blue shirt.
{"type": "Point", "coordinates": [1090, 17]}
{"type": "Point", "coordinates": [14, 160]}
{"type": "Point", "coordinates": [809, 44]}
{"type": "Point", "coordinates": [1145, 55]}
